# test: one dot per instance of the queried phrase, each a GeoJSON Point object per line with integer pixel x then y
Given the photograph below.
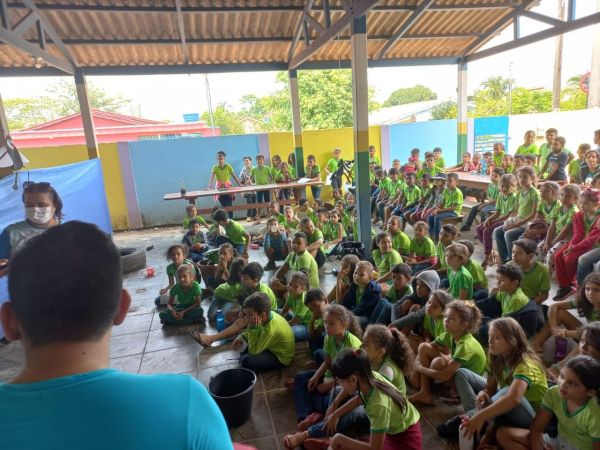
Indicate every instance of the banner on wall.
{"type": "Point", "coordinates": [489, 130]}
{"type": "Point", "coordinates": [80, 187]}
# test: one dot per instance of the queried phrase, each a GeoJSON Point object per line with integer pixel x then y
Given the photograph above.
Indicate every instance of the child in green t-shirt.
{"type": "Point", "coordinates": [576, 164]}
{"type": "Point", "coordinates": [422, 249]}
{"type": "Point", "coordinates": [261, 175]}
{"type": "Point", "coordinates": [385, 258]}
{"type": "Point", "coordinates": [222, 173]}
{"type": "Point", "coordinates": [227, 296]}
{"type": "Point", "coordinates": [192, 214]}
{"type": "Point", "coordinates": [235, 232]}
{"type": "Point", "coordinates": [331, 168]}
{"type": "Point", "coordinates": [450, 205]}
{"type": "Point", "coordinates": [316, 301]}
{"type": "Point", "coordinates": [267, 343]}
{"type": "Point", "coordinates": [313, 172]}
{"type": "Point", "coordinates": [373, 158]}
{"type": "Point", "coordinates": [459, 279]}
{"type": "Point", "coordinates": [188, 294]}
{"type": "Point", "coordinates": [440, 164]}
{"type": "Point", "coordinates": [333, 232]}
{"type": "Point", "coordinates": [480, 281]}
{"type": "Point", "coordinates": [454, 349]}
{"type": "Point", "coordinates": [489, 205]}
{"type": "Point", "coordinates": [294, 310]}
{"type": "Point", "coordinates": [177, 254]}
{"type": "Point", "coordinates": [400, 240]}
{"type": "Point", "coordinates": [448, 234]}
{"type": "Point", "coordinates": [400, 288]}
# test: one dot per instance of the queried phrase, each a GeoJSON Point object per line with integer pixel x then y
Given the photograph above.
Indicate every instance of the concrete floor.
{"type": "Point", "coordinates": [142, 345]}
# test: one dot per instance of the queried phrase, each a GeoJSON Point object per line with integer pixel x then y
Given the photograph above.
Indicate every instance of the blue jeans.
{"type": "Point", "coordinates": [480, 294]}
{"type": "Point", "coordinates": [308, 402]}
{"type": "Point", "coordinates": [250, 198]}
{"type": "Point", "coordinates": [260, 363]}
{"type": "Point", "coordinates": [224, 305]}
{"type": "Point", "coordinates": [356, 420]}
{"type": "Point", "coordinates": [435, 223]}
{"type": "Point", "coordinates": [300, 332]}
{"type": "Point", "coordinates": [382, 313]}
{"type": "Point", "coordinates": [316, 344]}
{"type": "Point", "coordinates": [239, 248]}
{"type": "Point", "coordinates": [418, 267]}
{"type": "Point", "coordinates": [316, 192]}
{"type": "Point", "coordinates": [504, 241]}
{"type": "Point", "coordinates": [477, 209]}
{"type": "Point", "coordinates": [226, 200]}
{"type": "Point", "coordinates": [585, 264]}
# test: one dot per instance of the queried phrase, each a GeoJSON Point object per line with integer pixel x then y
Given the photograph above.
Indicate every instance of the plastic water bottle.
{"type": "Point", "coordinates": [220, 321]}
{"type": "Point", "coordinates": [484, 167]}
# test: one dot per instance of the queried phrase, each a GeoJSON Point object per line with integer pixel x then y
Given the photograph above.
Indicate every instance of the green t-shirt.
{"type": "Point", "coordinates": [423, 248]}
{"type": "Point", "coordinates": [440, 251]}
{"type": "Point", "coordinates": [331, 347]}
{"type": "Point", "coordinates": [314, 237]}
{"type": "Point", "coordinates": [188, 219]}
{"type": "Point", "coordinates": [531, 149]}
{"type": "Point", "coordinates": [384, 185]}
{"type": "Point", "coordinates": [526, 202]}
{"type": "Point", "coordinates": [396, 187]}
{"type": "Point", "coordinates": [185, 299]}
{"type": "Point", "coordinates": [549, 211]}
{"type": "Point", "coordinates": [435, 327]}
{"type": "Point", "coordinates": [492, 192]}
{"type": "Point", "coordinates": [425, 170]}
{"type": "Point", "coordinates": [333, 231]}
{"type": "Point", "coordinates": [298, 308]}
{"type": "Point", "coordinates": [313, 172]}
{"type": "Point", "coordinates": [411, 194]}
{"type": "Point", "coordinates": [275, 336]}
{"type": "Point", "coordinates": [172, 268]}
{"type": "Point", "coordinates": [385, 415]}
{"type": "Point", "coordinates": [536, 280]}
{"type": "Point", "coordinates": [440, 164]}
{"type": "Point", "coordinates": [530, 372]}
{"type": "Point", "coordinates": [393, 295]}
{"type": "Point", "coordinates": [452, 198]}
{"type": "Point", "coordinates": [374, 160]}
{"type": "Point", "coordinates": [306, 263]}
{"type": "Point", "coordinates": [261, 175]}
{"type": "Point", "coordinates": [564, 217]}
{"type": "Point", "coordinates": [265, 289]}
{"type": "Point", "coordinates": [390, 370]}
{"type": "Point", "coordinates": [498, 159]}
{"type": "Point", "coordinates": [479, 278]}
{"type": "Point", "coordinates": [467, 351]}
{"type": "Point", "coordinates": [545, 150]}
{"type": "Point", "coordinates": [224, 173]}
{"type": "Point", "coordinates": [505, 204]}
{"type": "Point", "coordinates": [279, 217]}
{"type": "Point", "coordinates": [574, 167]}
{"type": "Point", "coordinates": [460, 279]}
{"type": "Point", "coordinates": [332, 165]}
{"type": "Point", "coordinates": [235, 232]}
{"type": "Point", "coordinates": [290, 224]}
{"type": "Point", "coordinates": [385, 262]}
{"type": "Point", "coordinates": [580, 428]}
{"type": "Point", "coordinates": [228, 292]}
{"type": "Point", "coordinates": [511, 303]}
{"type": "Point", "coordinates": [401, 242]}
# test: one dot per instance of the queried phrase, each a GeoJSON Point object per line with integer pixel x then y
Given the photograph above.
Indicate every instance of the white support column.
{"type": "Point", "coordinates": [461, 132]}
{"type": "Point", "coordinates": [360, 104]}
{"type": "Point", "coordinates": [86, 114]}
{"type": "Point", "coordinates": [594, 86]}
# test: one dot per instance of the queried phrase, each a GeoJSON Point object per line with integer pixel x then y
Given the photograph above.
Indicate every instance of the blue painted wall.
{"type": "Point", "coordinates": [159, 165]}
{"type": "Point", "coordinates": [489, 130]}
{"type": "Point", "coordinates": [425, 136]}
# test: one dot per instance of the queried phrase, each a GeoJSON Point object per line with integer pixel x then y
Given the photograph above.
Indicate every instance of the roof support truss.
{"type": "Point", "coordinates": [563, 27]}
{"type": "Point", "coordinates": [181, 28]}
{"type": "Point", "coordinates": [417, 13]}
{"type": "Point", "coordinates": [356, 9]}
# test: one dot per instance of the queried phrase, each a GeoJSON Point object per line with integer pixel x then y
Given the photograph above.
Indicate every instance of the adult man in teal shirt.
{"type": "Point", "coordinates": [66, 293]}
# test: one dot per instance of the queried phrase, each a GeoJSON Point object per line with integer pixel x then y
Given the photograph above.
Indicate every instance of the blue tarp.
{"type": "Point", "coordinates": [81, 188]}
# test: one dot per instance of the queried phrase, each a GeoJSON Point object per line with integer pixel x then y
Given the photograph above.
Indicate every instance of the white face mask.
{"type": "Point", "coordinates": [274, 229]}
{"type": "Point", "coordinates": [39, 216]}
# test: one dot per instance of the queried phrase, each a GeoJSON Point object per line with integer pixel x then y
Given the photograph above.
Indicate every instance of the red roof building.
{"type": "Point", "coordinates": [109, 127]}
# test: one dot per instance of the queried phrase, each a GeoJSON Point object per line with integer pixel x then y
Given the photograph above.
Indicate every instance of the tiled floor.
{"type": "Point", "coordinates": [142, 345]}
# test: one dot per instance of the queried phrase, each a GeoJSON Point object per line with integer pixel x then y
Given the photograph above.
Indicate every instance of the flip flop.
{"type": "Point", "coordinates": [194, 335]}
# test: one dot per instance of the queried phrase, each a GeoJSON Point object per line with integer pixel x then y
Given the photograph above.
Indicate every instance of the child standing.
{"type": "Point", "coordinates": [311, 389]}
{"type": "Point", "coordinates": [455, 349]}
{"type": "Point", "coordinates": [294, 309]}
{"type": "Point", "coordinates": [195, 241]}
{"type": "Point", "coordinates": [498, 156]}
{"type": "Point", "coordinates": [313, 172]}
{"type": "Point", "coordinates": [246, 180]}
{"type": "Point", "coordinates": [528, 199]}
{"type": "Point", "coordinates": [268, 338]}
{"type": "Point", "coordinates": [188, 294]}
{"type": "Point", "coordinates": [450, 205]}
{"type": "Point", "coordinates": [223, 173]}
{"type": "Point", "coordinates": [489, 206]}
{"type": "Point", "coordinates": [261, 175]}
{"type": "Point", "coordinates": [459, 279]}
{"type": "Point", "coordinates": [505, 205]}
{"type": "Point", "coordinates": [331, 168]}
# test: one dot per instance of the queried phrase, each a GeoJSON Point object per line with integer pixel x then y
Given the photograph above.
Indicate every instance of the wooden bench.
{"type": "Point", "coordinates": [453, 220]}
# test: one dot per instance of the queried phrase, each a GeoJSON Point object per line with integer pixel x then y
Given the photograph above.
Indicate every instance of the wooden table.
{"type": "Point", "coordinates": [191, 196]}
{"type": "Point", "coordinates": [473, 180]}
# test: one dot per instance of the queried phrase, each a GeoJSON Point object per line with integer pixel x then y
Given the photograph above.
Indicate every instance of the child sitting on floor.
{"type": "Point", "coordinates": [480, 281]}
{"type": "Point", "coordinates": [400, 240]}
{"type": "Point", "coordinates": [422, 249]}
{"type": "Point", "coordinates": [177, 254]}
{"type": "Point", "coordinates": [316, 301]}
{"type": "Point", "coordinates": [303, 209]}
{"type": "Point", "coordinates": [290, 222]}
{"type": "Point", "coordinates": [424, 284]}
{"type": "Point", "coordinates": [364, 297]}
{"type": "Point", "coordinates": [333, 232]}
{"type": "Point", "coordinates": [294, 309]}
{"type": "Point", "coordinates": [188, 294]}
{"type": "Point", "coordinates": [456, 348]}
{"type": "Point", "coordinates": [448, 234]}
{"type": "Point", "coordinates": [234, 231]}
{"type": "Point", "coordinates": [460, 281]}
{"type": "Point", "coordinates": [314, 240]}
{"type": "Point", "coordinates": [251, 275]}
{"type": "Point", "coordinates": [227, 295]}
{"type": "Point", "coordinates": [275, 244]}
{"type": "Point", "coordinates": [311, 389]}
{"type": "Point", "coordinates": [192, 214]}
{"type": "Point", "coordinates": [195, 241]}
{"type": "Point", "coordinates": [344, 279]}
{"type": "Point", "coordinates": [432, 325]}
{"type": "Point", "coordinates": [268, 341]}
{"type": "Point", "coordinates": [219, 274]}
{"type": "Point", "coordinates": [400, 288]}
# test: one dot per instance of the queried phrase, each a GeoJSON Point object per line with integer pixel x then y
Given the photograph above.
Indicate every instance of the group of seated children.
{"type": "Point", "coordinates": [424, 304]}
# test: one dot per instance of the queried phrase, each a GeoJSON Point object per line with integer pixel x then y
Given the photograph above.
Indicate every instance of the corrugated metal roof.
{"type": "Point", "coordinates": [113, 33]}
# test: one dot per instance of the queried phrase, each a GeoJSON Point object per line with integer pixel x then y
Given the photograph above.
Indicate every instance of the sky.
{"type": "Point", "coordinates": [168, 97]}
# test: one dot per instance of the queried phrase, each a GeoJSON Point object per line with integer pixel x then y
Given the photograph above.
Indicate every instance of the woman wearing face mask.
{"type": "Point", "coordinates": [43, 209]}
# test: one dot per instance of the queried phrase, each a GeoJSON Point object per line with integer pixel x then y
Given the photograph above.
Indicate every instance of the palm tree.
{"type": "Point", "coordinates": [497, 87]}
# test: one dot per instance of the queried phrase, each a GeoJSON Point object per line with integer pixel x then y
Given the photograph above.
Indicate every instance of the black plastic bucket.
{"type": "Point", "coordinates": [233, 390]}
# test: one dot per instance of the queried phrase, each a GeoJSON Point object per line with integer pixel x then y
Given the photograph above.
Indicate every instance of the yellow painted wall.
{"type": "Point", "coordinates": [113, 182]}
{"type": "Point", "coordinates": [321, 144]}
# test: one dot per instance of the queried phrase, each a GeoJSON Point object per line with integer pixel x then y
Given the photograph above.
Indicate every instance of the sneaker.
{"type": "Point", "coordinates": [270, 266]}
{"type": "Point", "coordinates": [563, 293]}
{"type": "Point", "coordinates": [309, 420]}
{"type": "Point", "coordinates": [449, 429]}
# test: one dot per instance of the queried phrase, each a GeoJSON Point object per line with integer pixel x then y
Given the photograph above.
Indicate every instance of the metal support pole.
{"type": "Point", "coordinates": [593, 100]}
{"type": "Point", "coordinates": [461, 143]}
{"type": "Point", "coordinates": [360, 108]}
{"type": "Point", "coordinates": [3, 124]}
{"type": "Point", "coordinates": [86, 114]}
{"type": "Point", "coordinates": [296, 124]}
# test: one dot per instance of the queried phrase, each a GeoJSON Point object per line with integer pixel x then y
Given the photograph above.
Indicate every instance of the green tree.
{"type": "Point", "coordinates": [402, 96]}
{"type": "Point", "coordinates": [230, 122]}
{"type": "Point", "coordinates": [446, 110]}
{"type": "Point", "coordinates": [526, 101]}
{"type": "Point", "coordinates": [572, 97]}
{"type": "Point", "coordinates": [66, 94]}
{"type": "Point", "coordinates": [23, 113]}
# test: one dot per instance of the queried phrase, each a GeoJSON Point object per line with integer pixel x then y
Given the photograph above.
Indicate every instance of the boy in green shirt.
{"type": "Point", "coordinates": [422, 249]}
{"type": "Point", "coordinates": [294, 309]}
{"type": "Point", "coordinates": [331, 168]}
{"type": "Point", "coordinates": [489, 205]}
{"type": "Point", "coordinates": [235, 232]}
{"type": "Point", "coordinates": [440, 164]}
{"type": "Point", "coordinates": [449, 206]}
{"type": "Point", "coordinates": [188, 294]}
{"type": "Point", "coordinates": [510, 296]}
{"type": "Point", "coordinates": [429, 167]}
{"type": "Point", "coordinates": [373, 159]}
{"type": "Point", "coordinates": [313, 171]}
{"type": "Point", "coordinates": [223, 173]}
{"type": "Point", "coordinates": [407, 203]}
{"type": "Point", "coordinates": [498, 156]}
{"type": "Point", "coordinates": [261, 175]}
{"type": "Point", "coordinates": [192, 214]}
{"type": "Point", "coordinates": [268, 341]}
{"type": "Point", "coordinates": [251, 275]}
{"type": "Point", "coordinates": [480, 281]}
